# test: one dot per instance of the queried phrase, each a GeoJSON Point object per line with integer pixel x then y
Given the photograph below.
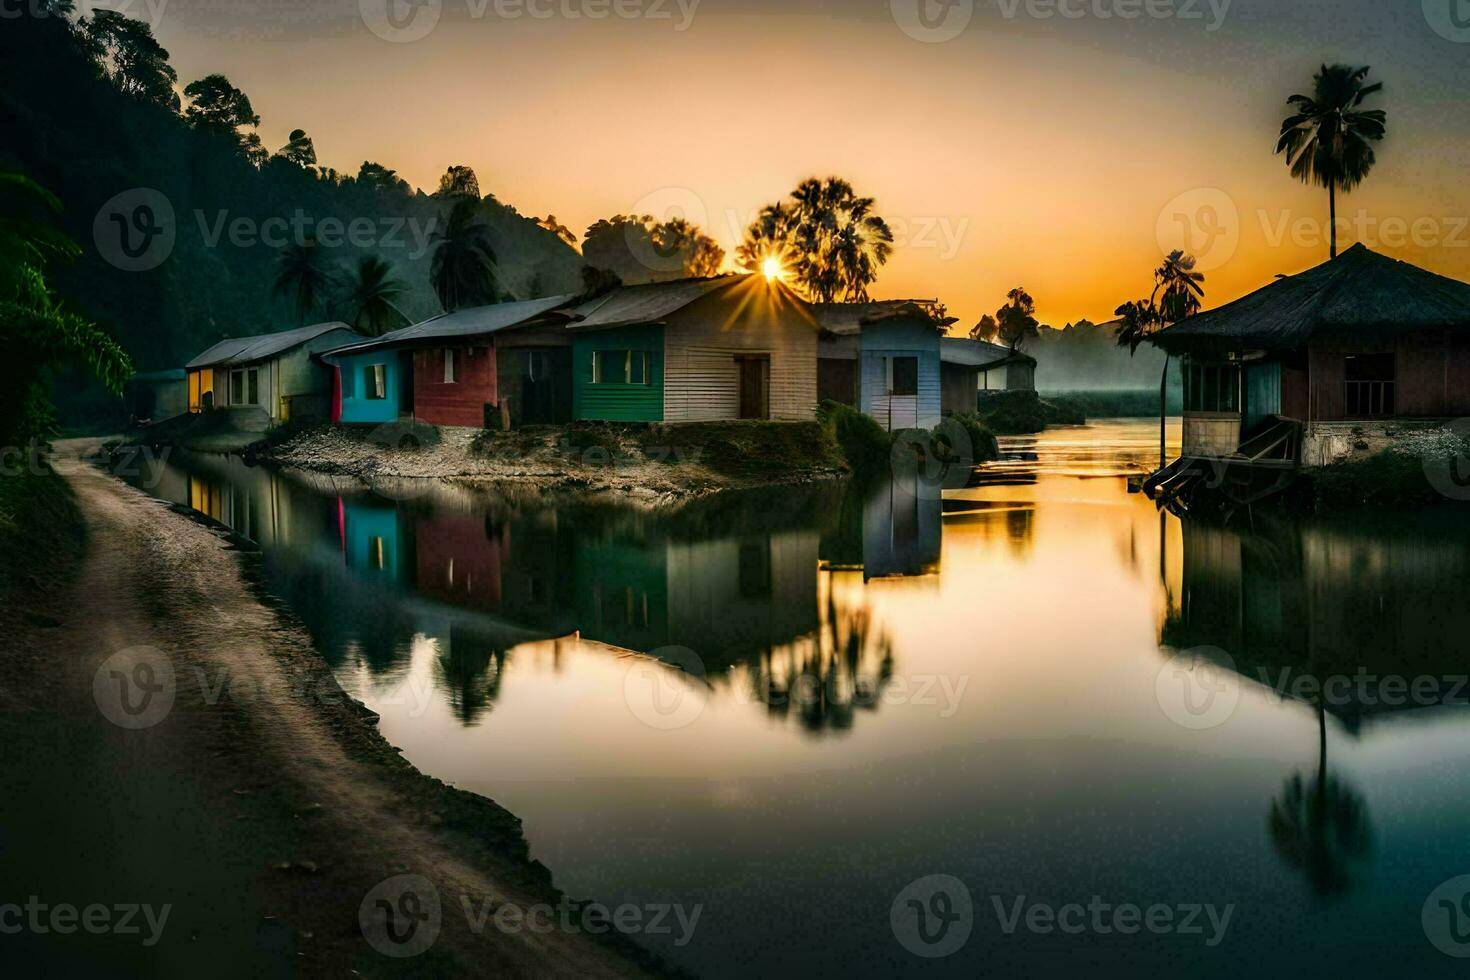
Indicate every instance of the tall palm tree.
{"type": "Point", "coordinates": [302, 275]}
{"type": "Point", "coordinates": [1328, 139]}
{"type": "Point", "coordinates": [371, 288]}
{"type": "Point", "coordinates": [828, 238]}
{"type": "Point", "coordinates": [463, 270]}
{"type": "Point", "coordinates": [1178, 290]}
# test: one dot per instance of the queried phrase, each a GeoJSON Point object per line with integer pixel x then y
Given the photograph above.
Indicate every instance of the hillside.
{"type": "Point", "coordinates": [75, 133]}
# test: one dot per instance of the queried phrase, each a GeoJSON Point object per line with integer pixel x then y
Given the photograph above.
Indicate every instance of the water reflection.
{"type": "Point", "coordinates": [818, 782]}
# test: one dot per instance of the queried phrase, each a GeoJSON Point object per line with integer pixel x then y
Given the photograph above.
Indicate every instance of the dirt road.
{"type": "Point", "coordinates": [171, 741]}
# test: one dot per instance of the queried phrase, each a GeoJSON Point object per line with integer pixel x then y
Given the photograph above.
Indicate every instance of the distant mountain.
{"type": "Point", "coordinates": [1086, 356]}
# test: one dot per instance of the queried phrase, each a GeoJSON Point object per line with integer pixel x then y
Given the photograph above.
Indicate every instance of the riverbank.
{"type": "Point", "coordinates": [235, 785]}
{"type": "Point", "coordinates": [659, 463]}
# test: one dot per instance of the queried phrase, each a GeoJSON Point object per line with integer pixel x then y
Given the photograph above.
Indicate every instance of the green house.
{"type": "Point", "coordinates": [618, 374]}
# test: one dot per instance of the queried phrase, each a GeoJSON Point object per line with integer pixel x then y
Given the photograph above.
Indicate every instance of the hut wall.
{"type": "Point", "coordinates": [837, 380]}
{"type": "Point", "coordinates": [618, 402]}
{"type": "Point", "coordinates": [458, 402]}
{"type": "Point", "coordinates": [703, 340]}
{"type": "Point", "coordinates": [900, 338]}
{"type": "Point", "coordinates": [957, 388]}
{"type": "Point", "coordinates": [1211, 433]}
{"type": "Point", "coordinates": [357, 408]}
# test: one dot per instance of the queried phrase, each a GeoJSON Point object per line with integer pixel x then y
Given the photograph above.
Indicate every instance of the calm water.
{"type": "Point", "coordinates": [787, 707]}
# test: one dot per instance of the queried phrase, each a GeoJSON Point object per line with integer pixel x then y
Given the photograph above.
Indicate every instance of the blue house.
{"type": "Point", "coordinates": [371, 386]}
{"type": "Point", "coordinates": [883, 359]}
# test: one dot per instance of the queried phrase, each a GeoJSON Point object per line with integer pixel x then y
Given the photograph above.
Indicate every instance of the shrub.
{"type": "Point", "coordinates": [862, 441]}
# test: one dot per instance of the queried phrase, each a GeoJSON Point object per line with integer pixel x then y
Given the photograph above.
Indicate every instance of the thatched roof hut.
{"type": "Point", "coordinates": [1358, 295]}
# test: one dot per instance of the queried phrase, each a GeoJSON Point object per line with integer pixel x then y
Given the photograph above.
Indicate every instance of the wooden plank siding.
{"type": "Point", "coordinates": [900, 338]}
{"type": "Point", "coordinates": [702, 341]}
{"type": "Point", "coordinates": [462, 401]}
{"type": "Point", "coordinates": [1431, 375]}
{"type": "Point", "coordinates": [618, 402]}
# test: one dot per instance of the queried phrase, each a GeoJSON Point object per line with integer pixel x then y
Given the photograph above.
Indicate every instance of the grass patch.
{"type": "Point", "coordinates": [860, 439]}
{"type": "Point", "coordinates": [41, 529]}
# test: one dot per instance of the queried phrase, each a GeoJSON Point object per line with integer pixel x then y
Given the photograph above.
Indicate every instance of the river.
{"type": "Point", "coordinates": [790, 710]}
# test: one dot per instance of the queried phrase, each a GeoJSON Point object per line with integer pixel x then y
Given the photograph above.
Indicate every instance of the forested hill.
{"type": "Point", "coordinates": [69, 126]}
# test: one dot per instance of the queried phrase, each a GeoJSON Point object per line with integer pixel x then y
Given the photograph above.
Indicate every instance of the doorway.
{"type": "Point", "coordinates": [755, 386]}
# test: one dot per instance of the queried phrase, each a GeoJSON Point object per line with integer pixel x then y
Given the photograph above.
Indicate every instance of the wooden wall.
{"type": "Point", "coordinates": [701, 342]}
{"type": "Point", "coordinates": [958, 385]}
{"type": "Point", "coordinates": [621, 402]}
{"type": "Point", "coordinates": [463, 401]}
{"type": "Point", "coordinates": [1431, 374]}
{"type": "Point", "coordinates": [900, 338]}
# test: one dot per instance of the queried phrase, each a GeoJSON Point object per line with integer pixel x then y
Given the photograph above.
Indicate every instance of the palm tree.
{"type": "Point", "coordinates": [25, 240]}
{"type": "Point", "coordinates": [828, 238]}
{"type": "Point", "coordinates": [1328, 139]}
{"type": "Point", "coordinates": [463, 269]}
{"type": "Point", "coordinates": [301, 273]}
{"type": "Point", "coordinates": [370, 292]}
{"type": "Point", "coordinates": [1178, 291]}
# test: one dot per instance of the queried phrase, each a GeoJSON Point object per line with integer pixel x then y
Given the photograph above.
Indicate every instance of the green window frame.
{"type": "Point", "coordinates": [622, 367]}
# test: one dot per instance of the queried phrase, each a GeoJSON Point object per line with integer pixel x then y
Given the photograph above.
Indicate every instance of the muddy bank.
{"type": "Point", "coordinates": [233, 783]}
{"type": "Point", "coordinates": [656, 463]}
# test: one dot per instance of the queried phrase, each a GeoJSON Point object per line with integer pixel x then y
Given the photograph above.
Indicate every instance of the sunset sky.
{"type": "Point", "coordinates": [1030, 149]}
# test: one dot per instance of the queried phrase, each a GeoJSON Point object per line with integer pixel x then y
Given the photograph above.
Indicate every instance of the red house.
{"type": "Point", "coordinates": [507, 362]}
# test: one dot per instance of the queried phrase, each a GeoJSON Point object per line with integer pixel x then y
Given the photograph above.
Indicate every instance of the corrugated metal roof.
{"type": "Point", "coordinates": [476, 321]}
{"type": "Point", "coordinates": [243, 350]}
{"type": "Point", "coordinates": [1358, 292]}
{"type": "Point", "coordinates": [647, 303]}
{"type": "Point", "coordinates": [978, 353]}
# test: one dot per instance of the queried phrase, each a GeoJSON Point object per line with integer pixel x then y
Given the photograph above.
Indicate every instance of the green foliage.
{"type": "Point", "coordinates": [1386, 480]}
{"type": "Point", "coordinates": [38, 337]}
{"type": "Point", "coordinates": [371, 291]}
{"type": "Point", "coordinates": [130, 57]}
{"type": "Point", "coordinates": [640, 249]}
{"type": "Point", "coordinates": [828, 239]}
{"type": "Point", "coordinates": [862, 441]}
{"type": "Point", "coordinates": [983, 445]}
{"type": "Point", "coordinates": [1178, 293]}
{"type": "Point", "coordinates": [1010, 413]}
{"type": "Point", "coordinates": [302, 274]}
{"type": "Point", "coordinates": [299, 149]}
{"type": "Point", "coordinates": [1016, 321]}
{"type": "Point", "coordinates": [459, 181]}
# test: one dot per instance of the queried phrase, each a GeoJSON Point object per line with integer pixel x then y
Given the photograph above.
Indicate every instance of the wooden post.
{"type": "Point", "coordinates": [1163, 411]}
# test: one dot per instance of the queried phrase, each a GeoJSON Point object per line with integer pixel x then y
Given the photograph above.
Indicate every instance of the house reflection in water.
{"type": "Point", "coordinates": [378, 541]}
{"type": "Point", "coordinates": [724, 598]}
{"type": "Point", "coordinates": [1364, 616]}
{"type": "Point", "coordinates": [886, 529]}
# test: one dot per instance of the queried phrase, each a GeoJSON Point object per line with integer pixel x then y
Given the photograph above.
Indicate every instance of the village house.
{"type": "Point", "coordinates": [153, 396]}
{"type": "Point", "coordinates": [729, 347]}
{"type": "Point", "coordinates": [458, 368]}
{"type": "Point", "coordinates": [1338, 361]}
{"type": "Point", "coordinates": [882, 358]}
{"type": "Point", "coordinates": [270, 378]}
{"type": "Point", "coordinates": [967, 367]}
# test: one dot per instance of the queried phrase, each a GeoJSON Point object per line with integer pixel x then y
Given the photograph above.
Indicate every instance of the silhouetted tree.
{"type": "Point", "coordinates": [380, 178]}
{"type": "Point", "coordinates": [641, 249]}
{"type": "Point", "coordinates": [986, 329]}
{"type": "Point", "coordinates": [130, 57]}
{"type": "Point", "coordinates": [1178, 294]}
{"type": "Point", "coordinates": [459, 181]}
{"type": "Point", "coordinates": [371, 289]}
{"type": "Point", "coordinates": [463, 270]}
{"type": "Point", "coordinates": [827, 237]}
{"type": "Point", "coordinates": [299, 149]}
{"type": "Point", "coordinates": [557, 228]}
{"type": "Point", "coordinates": [1328, 139]}
{"type": "Point", "coordinates": [216, 106]}
{"type": "Point", "coordinates": [303, 276]}
{"type": "Point", "coordinates": [1017, 319]}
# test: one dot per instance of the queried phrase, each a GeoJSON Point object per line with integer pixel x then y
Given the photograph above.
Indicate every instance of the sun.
{"type": "Point", "coordinates": [772, 269]}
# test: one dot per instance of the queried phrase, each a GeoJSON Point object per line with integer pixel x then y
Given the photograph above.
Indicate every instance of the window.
{"type": "Point", "coordinates": [1368, 384]}
{"type": "Point", "coordinates": [449, 376]}
{"type": "Point", "coordinates": [1211, 387]}
{"type": "Point", "coordinates": [622, 367]}
{"type": "Point", "coordinates": [252, 386]}
{"type": "Point", "coordinates": [237, 387]}
{"type": "Point", "coordinates": [903, 376]}
{"type": "Point", "coordinates": [375, 382]}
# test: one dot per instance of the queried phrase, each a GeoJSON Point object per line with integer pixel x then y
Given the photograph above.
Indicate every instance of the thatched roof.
{"type": "Point", "coordinates": [246, 350]}
{"type": "Point", "coordinates": [1359, 293]}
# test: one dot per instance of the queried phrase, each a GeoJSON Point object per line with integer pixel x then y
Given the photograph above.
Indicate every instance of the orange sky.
{"type": "Point", "coordinates": [1029, 150]}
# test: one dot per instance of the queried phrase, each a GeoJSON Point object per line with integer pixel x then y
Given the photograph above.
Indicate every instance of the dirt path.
{"type": "Point", "coordinates": [260, 804]}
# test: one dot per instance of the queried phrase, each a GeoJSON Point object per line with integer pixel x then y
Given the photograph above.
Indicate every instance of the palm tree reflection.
{"type": "Point", "coordinates": [1320, 827]}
